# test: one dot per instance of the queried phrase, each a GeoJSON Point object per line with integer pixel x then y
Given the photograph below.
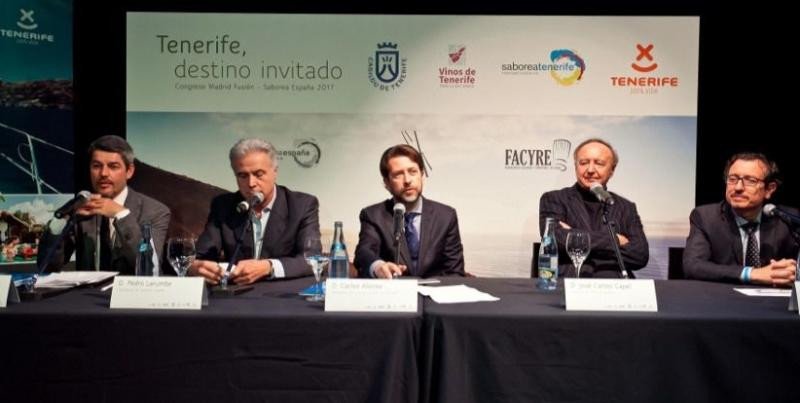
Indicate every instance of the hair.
{"type": "Point", "coordinates": [614, 154]}
{"type": "Point", "coordinates": [400, 150]}
{"type": "Point", "coordinates": [113, 144]}
{"type": "Point", "coordinates": [246, 146]}
{"type": "Point", "coordinates": [773, 174]}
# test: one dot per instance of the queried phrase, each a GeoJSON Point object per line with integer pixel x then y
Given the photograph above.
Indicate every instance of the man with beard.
{"type": "Point", "coordinates": [431, 245]}
{"type": "Point", "coordinates": [732, 241]}
{"type": "Point", "coordinates": [116, 209]}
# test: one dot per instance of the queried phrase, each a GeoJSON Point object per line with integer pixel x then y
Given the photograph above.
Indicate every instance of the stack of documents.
{"type": "Point", "coordinates": [69, 279]}
{"type": "Point", "coordinates": [453, 294]}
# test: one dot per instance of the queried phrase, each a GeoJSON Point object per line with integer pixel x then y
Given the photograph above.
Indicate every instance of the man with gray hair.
{"type": "Point", "coordinates": [281, 222]}
{"type": "Point", "coordinates": [578, 207]}
{"type": "Point", "coordinates": [115, 208]}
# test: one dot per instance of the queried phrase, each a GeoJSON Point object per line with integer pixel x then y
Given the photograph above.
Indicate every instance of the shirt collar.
{"type": "Point", "coordinates": [122, 197]}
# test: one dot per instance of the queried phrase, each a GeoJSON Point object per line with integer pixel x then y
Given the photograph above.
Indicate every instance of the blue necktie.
{"type": "Point", "coordinates": [412, 241]}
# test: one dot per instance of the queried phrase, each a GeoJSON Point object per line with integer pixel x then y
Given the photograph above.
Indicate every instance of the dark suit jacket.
{"type": "Point", "coordinates": [126, 241]}
{"type": "Point", "coordinates": [294, 217]}
{"type": "Point", "coordinates": [714, 246]}
{"type": "Point", "coordinates": [440, 247]}
{"type": "Point", "coordinates": [567, 205]}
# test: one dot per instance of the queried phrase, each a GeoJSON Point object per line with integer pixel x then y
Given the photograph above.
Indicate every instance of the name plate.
{"type": "Point", "coordinates": [157, 292]}
{"type": "Point", "coordinates": [5, 285]}
{"type": "Point", "coordinates": [610, 295]}
{"type": "Point", "coordinates": [370, 295]}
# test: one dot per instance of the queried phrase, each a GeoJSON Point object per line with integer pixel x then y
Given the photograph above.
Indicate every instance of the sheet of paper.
{"type": "Point", "coordinates": [765, 292]}
{"type": "Point", "coordinates": [454, 294]}
{"type": "Point", "coordinates": [67, 279]}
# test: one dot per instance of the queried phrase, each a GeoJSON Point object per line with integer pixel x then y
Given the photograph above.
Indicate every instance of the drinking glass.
{"type": "Point", "coordinates": [579, 245]}
{"type": "Point", "coordinates": [317, 260]}
{"type": "Point", "coordinates": [181, 253]}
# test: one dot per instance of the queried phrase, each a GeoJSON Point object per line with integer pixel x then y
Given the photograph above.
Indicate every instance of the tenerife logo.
{"type": "Point", "coordinates": [456, 74]}
{"type": "Point", "coordinates": [387, 70]}
{"type": "Point", "coordinates": [568, 67]}
{"type": "Point", "coordinates": [533, 158]}
{"type": "Point", "coordinates": [306, 153]}
{"type": "Point", "coordinates": [26, 21]}
{"type": "Point", "coordinates": [644, 83]}
{"type": "Point", "coordinates": [27, 36]}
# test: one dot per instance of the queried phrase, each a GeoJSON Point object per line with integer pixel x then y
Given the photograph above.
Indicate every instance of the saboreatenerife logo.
{"type": "Point", "coordinates": [387, 70]}
{"type": "Point", "coordinates": [566, 67]}
{"type": "Point", "coordinates": [539, 158]}
{"type": "Point", "coordinates": [457, 73]}
{"type": "Point", "coordinates": [27, 23]}
{"type": "Point", "coordinates": [647, 80]}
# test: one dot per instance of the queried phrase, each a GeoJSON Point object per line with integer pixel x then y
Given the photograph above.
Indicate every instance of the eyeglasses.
{"type": "Point", "coordinates": [747, 181]}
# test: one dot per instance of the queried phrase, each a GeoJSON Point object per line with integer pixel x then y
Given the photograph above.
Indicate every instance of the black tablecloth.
{"type": "Point", "coordinates": [266, 345]}
{"type": "Point", "coordinates": [706, 343]}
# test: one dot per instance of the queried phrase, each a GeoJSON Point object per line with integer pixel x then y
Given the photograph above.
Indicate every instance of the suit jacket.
{"type": "Point", "coordinates": [714, 247]}
{"type": "Point", "coordinates": [143, 209]}
{"type": "Point", "coordinates": [440, 251]}
{"type": "Point", "coordinates": [294, 217]}
{"type": "Point", "coordinates": [567, 205]}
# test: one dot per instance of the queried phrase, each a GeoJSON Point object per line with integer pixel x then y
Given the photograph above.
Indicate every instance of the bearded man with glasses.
{"type": "Point", "coordinates": [733, 241]}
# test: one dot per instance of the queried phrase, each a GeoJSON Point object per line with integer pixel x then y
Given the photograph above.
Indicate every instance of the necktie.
{"type": "Point", "coordinates": [751, 257]}
{"type": "Point", "coordinates": [105, 244]}
{"type": "Point", "coordinates": [412, 241]}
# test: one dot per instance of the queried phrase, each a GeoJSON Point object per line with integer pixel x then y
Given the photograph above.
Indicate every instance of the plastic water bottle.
{"type": "Point", "coordinates": [548, 257]}
{"type": "Point", "coordinates": [340, 264]}
{"type": "Point", "coordinates": [144, 259]}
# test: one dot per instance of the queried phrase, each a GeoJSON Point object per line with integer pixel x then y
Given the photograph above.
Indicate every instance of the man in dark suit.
{"type": "Point", "coordinates": [733, 241]}
{"type": "Point", "coordinates": [576, 207]}
{"type": "Point", "coordinates": [116, 209]}
{"type": "Point", "coordinates": [431, 245]}
{"type": "Point", "coordinates": [273, 245]}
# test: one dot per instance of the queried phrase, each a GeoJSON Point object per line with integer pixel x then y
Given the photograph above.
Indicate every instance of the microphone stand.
{"type": "Point", "coordinates": [29, 293]}
{"type": "Point", "coordinates": [397, 237]}
{"type": "Point", "coordinates": [223, 290]}
{"type": "Point", "coordinates": [614, 240]}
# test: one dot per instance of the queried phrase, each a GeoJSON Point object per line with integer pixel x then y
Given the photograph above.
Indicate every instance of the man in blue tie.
{"type": "Point", "coordinates": [431, 242]}
{"type": "Point", "coordinates": [733, 241]}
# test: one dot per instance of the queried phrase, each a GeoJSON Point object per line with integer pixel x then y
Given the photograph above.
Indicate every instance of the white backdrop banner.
{"type": "Point", "coordinates": [496, 104]}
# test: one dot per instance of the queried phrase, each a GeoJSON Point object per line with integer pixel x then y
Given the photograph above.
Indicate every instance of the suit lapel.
{"type": "Point", "coordinates": [733, 232]}
{"type": "Point", "coordinates": [278, 217]}
{"type": "Point", "coordinates": [580, 209]}
{"type": "Point", "coordinates": [427, 225]}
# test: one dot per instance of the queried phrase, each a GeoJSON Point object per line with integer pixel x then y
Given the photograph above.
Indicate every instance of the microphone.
{"type": "Point", "coordinates": [79, 200]}
{"type": "Point", "coordinates": [399, 220]}
{"type": "Point", "coordinates": [773, 211]}
{"type": "Point", "coordinates": [244, 206]}
{"type": "Point", "coordinates": [602, 194]}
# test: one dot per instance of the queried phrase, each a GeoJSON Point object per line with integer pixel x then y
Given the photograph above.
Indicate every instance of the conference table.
{"type": "Point", "coordinates": [706, 343]}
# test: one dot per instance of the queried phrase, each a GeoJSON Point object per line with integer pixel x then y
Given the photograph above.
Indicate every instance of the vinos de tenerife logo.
{"type": "Point", "coordinates": [28, 25]}
{"type": "Point", "coordinates": [387, 70]}
{"type": "Point", "coordinates": [539, 158]}
{"type": "Point", "coordinates": [567, 66]}
{"type": "Point", "coordinates": [456, 73]}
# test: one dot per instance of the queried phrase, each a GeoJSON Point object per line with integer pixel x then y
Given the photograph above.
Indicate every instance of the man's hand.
{"type": "Point", "coordinates": [207, 269]}
{"type": "Point", "coordinates": [251, 270]}
{"type": "Point", "coordinates": [389, 270]}
{"type": "Point", "coordinates": [100, 205]}
{"type": "Point", "coordinates": [778, 273]}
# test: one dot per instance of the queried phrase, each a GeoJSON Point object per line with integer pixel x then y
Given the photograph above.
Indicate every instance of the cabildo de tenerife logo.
{"type": "Point", "coordinates": [566, 67]}
{"type": "Point", "coordinates": [647, 80]}
{"type": "Point", "coordinates": [457, 74]}
{"type": "Point", "coordinates": [25, 30]}
{"type": "Point", "coordinates": [540, 158]}
{"type": "Point", "coordinates": [387, 70]}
